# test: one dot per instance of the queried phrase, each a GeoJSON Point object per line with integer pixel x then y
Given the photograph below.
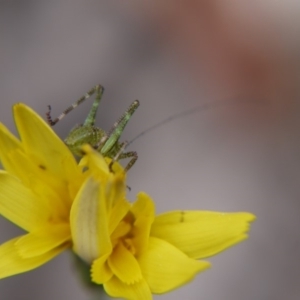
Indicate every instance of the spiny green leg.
{"type": "Point", "coordinates": [98, 89]}
{"type": "Point", "coordinates": [117, 129]}
{"type": "Point", "coordinates": [116, 157]}
{"type": "Point", "coordinates": [90, 120]}
{"type": "Point", "coordinates": [121, 155]}
{"type": "Point", "coordinates": [132, 154]}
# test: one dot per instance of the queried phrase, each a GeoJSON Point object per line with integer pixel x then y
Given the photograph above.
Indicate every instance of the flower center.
{"type": "Point", "coordinates": [124, 233]}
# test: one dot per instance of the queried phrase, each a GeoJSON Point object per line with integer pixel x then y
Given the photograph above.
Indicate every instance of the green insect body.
{"type": "Point", "coordinates": [87, 133]}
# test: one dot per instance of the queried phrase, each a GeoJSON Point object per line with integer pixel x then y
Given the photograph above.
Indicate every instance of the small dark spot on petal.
{"type": "Point", "coordinates": [42, 167]}
{"type": "Point", "coordinates": [84, 169]}
{"type": "Point", "coordinates": [182, 216]}
{"type": "Point", "coordinates": [82, 152]}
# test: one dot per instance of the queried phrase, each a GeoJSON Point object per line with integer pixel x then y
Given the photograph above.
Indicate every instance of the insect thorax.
{"type": "Point", "coordinates": [81, 135]}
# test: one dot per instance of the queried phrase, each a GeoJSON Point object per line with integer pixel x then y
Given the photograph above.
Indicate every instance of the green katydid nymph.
{"type": "Point", "coordinates": [107, 143]}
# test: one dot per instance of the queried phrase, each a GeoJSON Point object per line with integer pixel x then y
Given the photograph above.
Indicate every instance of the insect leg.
{"type": "Point", "coordinates": [116, 157]}
{"type": "Point", "coordinates": [98, 89]}
{"type": "Point", "coordinates": [134, 158]}
{"type": "Point", "coordinates": [117, 129]}
{"type": "Point", "coordinates": [121, 155]}
{"type": "Point", "coordinates": [90, 120]}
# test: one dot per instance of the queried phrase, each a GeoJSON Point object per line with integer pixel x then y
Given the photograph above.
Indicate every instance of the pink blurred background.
{"type": "Point", "coordinates": [172, 56]}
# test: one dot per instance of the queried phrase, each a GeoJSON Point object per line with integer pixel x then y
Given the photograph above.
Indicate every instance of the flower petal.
{"type": "Point", "coordinates": [124, 265]}
{"type": "Point", "coordinates": [41, 143]}
{"type": "Point", "coordinates": [43, 240]}
{"type": "Point", "coordinates": [117, 214]}
{"type": "Point", "coordinates": [201, 234]}
{"type": "Point", "coordinates": [136, 291]}
{"type": "Point", "coordinates": [11, 263]}
{"type": "Point", "coordinates": [24, 168]}
{"type": "Point", "coordinates": [89, 225]}
{"type": "Point", "coordinates": [165, 267]}
{"type": "Point", "coordinates": [49, 189]}
{"type": "Point", "coordinates": [94, 161]}
{"type": "Point", "coordinates": [143, 210]}
{"type": "Point", "coordinates": [8, 144]}
{"type": "Point", "coordinates": [100, 271]}
{"type": "Point", "coordinates": [98, 166]}
{"type": "Point", "coordinates": [20, 205]}
{"type": "Point", "coordinates": [116, 204]}
{"type": "Point", "coordinates": [29, 171]}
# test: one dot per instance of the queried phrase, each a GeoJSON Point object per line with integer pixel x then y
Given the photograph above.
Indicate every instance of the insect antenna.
{"type": "Point", "coordinates": [193, 110]}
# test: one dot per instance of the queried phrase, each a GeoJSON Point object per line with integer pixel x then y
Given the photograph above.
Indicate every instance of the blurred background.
{"type": "Point", "coordinates": [175, 55]}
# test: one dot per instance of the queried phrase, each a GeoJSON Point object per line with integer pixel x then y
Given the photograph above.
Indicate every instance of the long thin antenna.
{"type": "Point", "coordinates": [190, 111]}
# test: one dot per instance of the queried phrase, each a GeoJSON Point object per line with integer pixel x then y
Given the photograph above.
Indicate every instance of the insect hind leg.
{"type": "Point", "coordinates": [117, 129]}
{"type": "Point", "coordinates": [121, 155]}
{"type": "Point", "coordinates": [130, 154]}
{"type": "Point", "coordinates": [98, 89]}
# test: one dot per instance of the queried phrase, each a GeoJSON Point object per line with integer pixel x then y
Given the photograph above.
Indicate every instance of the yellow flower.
{"type": "Point", "coordinates": [134, 253]}
{"type": "Point", "coordinates": [62, 204]}
{"type": "Point", "coordinates": [37, 189]}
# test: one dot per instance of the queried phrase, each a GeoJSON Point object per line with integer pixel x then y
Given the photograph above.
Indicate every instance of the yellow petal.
{"type": "Point", "coordinates": [15, 160]}
{"type": "Point", "coordinates": [54, 195]}
{"type": "Point", "coordinates": [89, 224]}
{"type": "Point", "coordinates": [28, 170]}
{"type": "Point", "coordinates": [116, 204]}
{"type": "Point", "coordinates": [49, 189]}
{"type": "Point", "coordinates": [24, 168]}
{"type": "Point", "coordinates": [115, 191]}
{"type": "Point", "coordinates": [20, 205]}
{"type": "Point", "coordinates": [117, 214]}
{"type": "Point", "coordinates": [165, 267]}
{"type": "Point", "coordinates": [11, 263]}
{"type": "Point", "coordinates": [100, 271]}
{"type": "Point", "coordinates": [116, 167]}
{"type": "Point", "coordinates": [43, 240]}
{"type": "Point", "coordinates": [121, 231]}
{"type": "Point", "coordinates": [94, 161]}
{"type": "Point", "coordinates": [8, 144]}
{"type": "Point", "coordinates": [143, 210]}
{"type": "Point", "coordinates": [124, 265]}
{"type": "Point", "coordinates": [98, 166]}
{"type": "Point", "coordinates": [41, 143]}
{"type": "Point", "coordinates": [136, 291]}
{"type": "Point", "coordinates": [201, 234]}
